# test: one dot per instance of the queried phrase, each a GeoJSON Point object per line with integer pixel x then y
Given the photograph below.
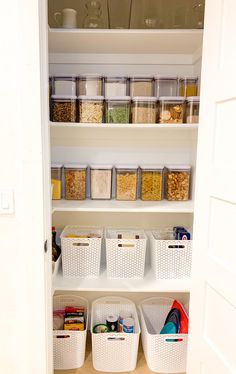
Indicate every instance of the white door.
{"type": "Point", "coordinates": [213, 297]}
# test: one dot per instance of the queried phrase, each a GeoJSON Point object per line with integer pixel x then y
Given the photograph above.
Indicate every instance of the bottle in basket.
{"type": "Point", "coordinates": [123, 315]}
{"type": "Point", "coordinates": [128, 325]}
{"type": "Point", "coordinates": [112, 322]}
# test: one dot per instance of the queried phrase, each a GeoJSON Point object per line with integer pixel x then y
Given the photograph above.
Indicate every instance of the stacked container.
{"type": "Point", "coordinates": [188, 86]}
{"type": "Point", "coordinates": [152, 183]}
{"type": "Point", "coordinates": [144, 109]}
{"type": "Point", "coordinates": [101, 182]}
{"type": "Point", "coordinates": [75, 181]}
{"type": "Point", "coordinates": [64, 108]}
{"type": "Point", "coordinates": [166, 85]}
{"type": "Point", "coordinates": [178, 182]}
{"type": "Point", "coordinates": [116, 86]}
{"type": "Point", "coordinates": [172, 109]}
{"type": "Point", "coordinates": [142, 86]}
{"type": "Point", "coordinates": [90, 85]}
{"type": "Point", "coordinates": [65, 85]}
{"type": "Point", "coordinates": [118, 109]}
{"type": "Point", "coordinates": [126, 182]}
{"type": "Point", "coordinates": [91, 109]}
{"type": "Point", "coordinates": [192, 109]}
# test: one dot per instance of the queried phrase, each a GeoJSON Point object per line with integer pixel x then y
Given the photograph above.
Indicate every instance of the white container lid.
{"type": "Point", "coordinates": [64, 97]}
{"type": "Point", "coordinates": [179, 167]}
{"type": "Point", "coordinates": [127, 167]}
{"type": "Point", "coordinates": [188, 78]}
{"type": "Point", "coordinates": [75, 166]}
{"type": "Point", "coordinates": [172, 98]}
{"type": "Point", "coordinates": [56, 166]}
{"type": "Point", "coordinates": [101, 167]}
{"type": "Point", "coordinates": [91, 98]}
{"type": "Point", "coordinates": [142, 77]}
{"type": "Point", "coordinates": [91, 76]}
{"type": "Point", "coordinates": [193, 99]}
{"type": "Point", "coordinates": [152, 167]}
{"type": "Point", "coordinates": [117, 98]}
{"type": "Point", "coordinates": [166, 77]}
{"type": "Point", "coordinates": [152, 99]}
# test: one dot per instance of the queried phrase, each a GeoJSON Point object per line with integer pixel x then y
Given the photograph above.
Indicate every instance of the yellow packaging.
{"type": "Point", "coordinates": [56, 192]}
{"type": "Point", "coordinates": [74, 326]}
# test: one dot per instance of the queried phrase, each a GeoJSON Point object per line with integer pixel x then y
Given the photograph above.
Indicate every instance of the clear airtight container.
{"type": "Point", "coordinates": [192, 109]}
{"type": "Point", "coordinates": [152, 183]}
{"type": "Point", "coordinates": [171, 109]}
{"type": "Point", "coordinates": [75, 181]}
{"type": "Point", "coordinates": [116, 86]}
{"type": "Point", "coordinates": [118, 109]}
{"type": "Point", "coordinates": [188, 86]}
{"type": "Point", "coordinates": [91, 109]}
{"type": "Point", "coordinates": [144, 109]}
{"type": "Point", "coordinates": [166, 85]}
{"type": "Point", "coordinates": [56, 177]}
{"type": "Point", "coordinates": [177, 182]}
{"type": "Point", "coordinates": [101, 182]}
{"type": "Point", "coordinates": [126, 182]}
{"type": "Point", "coordinates": [90, 85]}
{"type": "Point", "coordinates": [65, 85]}
{"type": "Point", "coordinates": [142, 86]}
{"type": "Point", "coordinates": [64, 108]}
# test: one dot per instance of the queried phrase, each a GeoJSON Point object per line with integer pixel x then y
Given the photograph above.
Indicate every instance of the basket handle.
{"type": "Point", "coordinates": [176, 246]}
{"type": "Point", "coordinates": [174, 339]}
{"type": "Point", "coordinates": [115, 338]}
{"type": "Point", "coordinates": [61, 336]}
{"type": "Point", "coordinates": [81, 244]}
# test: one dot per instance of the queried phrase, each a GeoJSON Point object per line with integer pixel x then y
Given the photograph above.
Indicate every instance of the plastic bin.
{"type": "Point", "coordinates": [142, 86]}
{"type": "Point", "coordinates": [56, 181]}
{"type": "Point", "coordinates": [69, 346]}
{"type": "Point", "coordinates": [101, 182]}
{"type": "Point", "coordinates": [118, 109]}
{"type": "Point", "coordinates": [125, 253]}
{"type": "Point", "coordinates": [192, 109]}
{"type": "Point", "coordinates": [126, 182]}
{"type": "Point", "coordinates": [81, 255]}
{"type": "Point", "coordinates": [188, 86]}
{"type": "Point", "coordinates": [75, 181]}
{"type": "Point", "coordinates": [164, 353]}
{"type": "Point", "coordinates": [65, 85]}
{"type": "Point", "coordinates": [64, 108]}
{"type": "Point", "coordinates": [144, 109]}
{"type": "Point", "coordinates": [166, 85]}
{"type": "Point", "coordinates": [114, 352]}
{"type": "Point", "coordinates": [116, 86]}
{"type": "Point", "coordinates": [177, 182]}
{"type": "Point", "coordinates": [172, 109]}
{"type": "Point", "coordinates": [152, 183]}
{"type": "Point", "coordinates": [90, 85]}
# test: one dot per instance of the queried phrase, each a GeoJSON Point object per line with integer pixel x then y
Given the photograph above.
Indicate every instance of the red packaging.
{"type": "Point", "coordinates": [183, 317]}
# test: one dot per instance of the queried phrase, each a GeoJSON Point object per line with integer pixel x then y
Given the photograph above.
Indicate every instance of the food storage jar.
{"type": "Point", "coordinates": [90, 85]}
{"type": "Point", "coordinates": [144, 109]}
{"type": "Point", "coordinates": [56, 177]}
{"type": "Point", "coordinates": [118, 109]}
{"type": "Point", "coordinates": [126, 182]}
{"type": "Point", "coordinates": [188, 86]}
{"type": "Point", "coordinates": [116, 86]}
{"type": "Point", "coordinates": [101, 182]}
{"type": "Point", "coordinates": [177, 182]}
{"type": "Point", "coordinates": [142, 86]}
{"type": "Point", "coordinates": [65, 85]}
{"type": "Point", "coordinates": [171, 109]}
{"type": "Point", "coordinates": [166, 85]}
{"type": "Point", "coordinates": [192, 109]}
{"type": "Point", "coordinates": [64, 108]}
{"type": "Point", "coordinates": [75, 181]}
{"type": "Point", "coordinates": [152, 183]}
{"type": "Point", "coordinates": [91, 109]}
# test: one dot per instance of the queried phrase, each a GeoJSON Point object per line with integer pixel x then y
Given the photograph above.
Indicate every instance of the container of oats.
{"type": "Point", "coordinates": [64, 108]}
{"type": "Point", "coordinates": [65, 85]}
{"type": "Point", "coordinates": [192, 109]}
{"type": "Point", "coordinates": [177, 182]}
{"type": "Point", "coordinates": [91, 109]}
{"type": "Point", "coordinates": [118, 109]}
{"type": "Point", "coordinates": [152, 182]}
{"type": "Point", "coordinates": [90, 85]}
{"type": "Point", "coordinates": [101, 182]}
{"type": "Point", "coordinates": [126, 182]}
{"type": "Point", "coordinates": [116, 86]}
{"type": "Point", "coordinates": [144, 109]}
{"type": "Point", "coordinates": [166, 85]}
{"type": "Point", "coordinates": [188, 86]}
{"type": "Point", "coordinates": [171, 109]}
{"type": "Point", "coordinates": [142, 86]}
{"type": "Point", "coordinates": [75, 181]}
{"type": "Point", "coordinates": [56, 178]}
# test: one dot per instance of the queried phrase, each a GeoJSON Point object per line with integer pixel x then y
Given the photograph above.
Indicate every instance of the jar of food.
{"type": "Point", "coordinates": [65, 85]}
{"type": "Point", "coordinates": [126, 182]}
{"type": "Point", "coordinates": [116, 86]}
{"type": "Point", "coordinates": [56, 177]}
{"type": "Point", "coordinates": [118, 109]}
{"type": "Point", "coordinates": [90, 85]}
{"type": "Point", "coordinates": [64, 108]}
{"type": "Point", "coordinates": [166, 85]}
{"type": "Point", "coordinates": [75, 181]}
{"type": "Point", "coordinates": [91, 109]}
{"type": "Point", "coordinates": [152, 183]}
{"type": "Point", "coordinates": [192, 109]}
{"type": "Point", "coordinates": [188, 86]}
{"type": "Point", "coordinates": [144, 109]}
{"type": "Point", "coordinates": [101, 182]}
{"type": "Point", "coordinates": [172, 109]}
{"type": "Point", "coordinates": [177, 183]}
{"type": "Point", "coordinates": [142, 86]}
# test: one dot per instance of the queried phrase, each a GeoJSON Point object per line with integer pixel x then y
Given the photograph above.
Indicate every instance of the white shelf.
{"type": "Point", "coordinates": [157, 126]}
{"type": "Point", "coordinates": [138, 206]}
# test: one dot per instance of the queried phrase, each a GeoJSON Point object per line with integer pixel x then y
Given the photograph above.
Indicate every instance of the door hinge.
{"type": "Point", "coordinates": [45, 246]}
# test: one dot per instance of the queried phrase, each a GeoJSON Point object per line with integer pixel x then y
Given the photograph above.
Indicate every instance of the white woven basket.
{"type": "Point", "coordinates": [125, 257]}
{"type": "Point", "coordinates": [170, 259]}
{"type": "Point", "coordinates": [81, 256]}
{"type": "Point", "coordinates": [163, 355]}
{"type": "Point", "coordinates": [69, 351]}
{"type": "Point", "coordinates": [114, 352]}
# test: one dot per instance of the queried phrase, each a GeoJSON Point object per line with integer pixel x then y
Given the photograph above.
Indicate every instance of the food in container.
{"type": "Point", "coordinates": [142, 86]}
{"type": "Point", "coordinates": [126, 182]}
{"type": "Point", "coordinates": [172, 109]}
{"type": "Point", "coordinates": [64, 108]}
{"type": "Point", "coordinates": [75, 181]}
{"type": "Point", "coordinates": [90, 85]}
{"type": "Point", "coordinates": [188, 86]}
{"type": "Point", "coordinates": [118, 109]}
{"type": "Point", "coordinates": [101, 182]}
{"type": "Point", "coordinates": [116, 86]}
{"type": "Point", "coordinates": [91, 109]}
{"type": "Point", "coordinates": [178, 183]}
{"type": "Point", "coordinates": [144, 109]}
{"type": "Point", "coordinates": [56, 177]}
{"type": "Point", "coordinates": [152, 183]}
{"type": "Point", "coordinates": [192, 109]}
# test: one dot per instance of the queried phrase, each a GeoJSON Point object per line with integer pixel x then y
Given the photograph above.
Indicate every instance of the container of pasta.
{"type": "Point", "coordinates": [126, 182]}
{"type": "Point", "coordinates": [172, 109]}
{"type": "Point", "coordinates": [188, 86]}
{"type": "Point", "coordinates": [75, 181]}
{"type": "Point", "coordinates": [56, 178]}
{"type": "Point", "coordinates": [152, 182]}
{"type": "Point", "coordinates": [177, 182]}
{"type": "Point", "coordinates": [144, 109]}
{"type": "Point", "coordinates": [91, 109]}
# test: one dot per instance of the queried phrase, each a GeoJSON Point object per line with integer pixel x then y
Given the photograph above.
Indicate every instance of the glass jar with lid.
{"type": "Point", "coordinates": [177, 182]}
{"type": "Point", "coordinates": [126, 182]}
{"type": "Point", "coordinates": [91, 109]}
{"type": "Point", "coordinates": [188, 86]}
{"type": "Point", "coordinates": [65, 85]}
{"type": "Point", "coordinates": [142, 86]}
{"type": "Point", "coordinates": [118, 109]}
{"type": "Point", "coordinates": [75, 181]}
{"type": "Point", "coordinates": [64, 108]}
{"type": "Point", "coordinates": [152, 182]}
{"type": "Point", "coordinates": [56, 181]}
{"type": "Point", "coordinates": [116, 86]}
{"type": "Point", "coordinates": [166, 85]}
{"type": "Point", "coordinates": [90, 85]}
{"type": "Point", "coordinates": [101, 182]}
{"type": "Point", "coordinates": [144, 109]}
{"type": "Point", "coordinates": [171, 109]}
{"type": "Point", "coordinates": [192, 109]}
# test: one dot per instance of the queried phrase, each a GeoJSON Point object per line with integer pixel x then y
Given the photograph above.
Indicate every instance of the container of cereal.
{"type": "Point", "coordinates": [64, 108]}
{"type": "Point", "coordinates": [56, 177]}
{"type": "Point", "coordinates": [152, 183]}
{"type": "Point", "coordinates": [101, 182]}
{"type": "Point", "coordinates": [118, 109]}
{"type": "Point", "coordinates": [90, 85]}
{"type": "Point", "coordinates": [126, 182]}
{"type": "Point", "coordinates": [75, 181]}
{"type": "Point", "coordinates": [91, 109]}
{"type": "Point", "coordinates": [177, 182]}
{"type": "Point", "coordinates": [188, 86]}
{"type": "Point", "coordinates": [65, 85]}
{"type": "Point", "coordinates": [172, 109]}
{"type": "Point", "coordinates": [166, 85]}
{"type": "Point", "coordinates": [144, 109]}
{"type": "Point", "coordinates": [142, 86]}
{"type": "Point", "coordinates": [192, 109]}
{"type": "Point", "coordinates": [116, 86]}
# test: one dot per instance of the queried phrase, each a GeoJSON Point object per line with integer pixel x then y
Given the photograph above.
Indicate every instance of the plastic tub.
{"type": "Point", "coordinates": [101, 182]}
{"type": "Point", "coordinates": [91, 109]}
{"type": "Point", "coordinates": [142, 86]}
{"type": "Point", "coordinates": [65, 85]}
{"type": "Point", "coordinates": [166, 85]}
{"type": "Point", "coordinates": [152, 183]}
{"type": "Point", "coordinates": [56, 181]}
{"type": "Point", "coordinates": [177, 183]}
{"type": "Point", "coordinates": [172, 109]}
{"type": "Point", "coordinates": [90, 85]}
{"type": "Point", "coordinates": [75, 181]}
{"type": "Point", "coordinates": [126, 182]}
{"type": "Point", "coordinates": [118, 109]}
{"type": "Point", "coordinates": [144, 109]}
{"type": "Point", "coordinates": [192, 109]}
{"type": "Point", "coordinates": [116, 86]}
{"type": "Point", "coordinates": [64, 108]}
{"type": "Point", "coordinates": [188, 86]}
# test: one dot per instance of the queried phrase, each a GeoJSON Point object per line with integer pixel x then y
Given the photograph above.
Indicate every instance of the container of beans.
{"type": "Point", "coordinates": [166, 85]}
{"type": "Point", "coordinates": [65, 85]}
{"type": "Point", "coordinates": [91, 109]}
{"type": "Point", "coordinates": [192, 109]}
{"type": "Point", "coordinates": [144, 109]}
{"type": "Point", "coordinates": [64, 108]}
{"type": "Point", "coordinates": [90, 85]}
{"type": "Point", "coordinates": [177, 182]}
{"type": "Point", "coordinates": [116, 86]}
{"type": "Point", "coordinates": [118, 109]}
{"type": "Point", "coordinates": [188, 86]}
{"type": "Point", "coordinates": [152, 183]}
{"type": "Point", "coordinates": [142, 86]}
{"type": "Point", "coordinates": [172, 109]}
{"type": "Point", "coordinates": [101, 182]}
{"type": "Point", "coordinates": [75, 181]}
{"type": "Point", "coordinates": [56, 177]}
{"type": "Point", "coordinates": [126, 182]}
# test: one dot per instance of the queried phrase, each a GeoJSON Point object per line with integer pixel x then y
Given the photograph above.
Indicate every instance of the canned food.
{"type": "Point", "coordinates": [123, 315]}
{"type": "Point", "coordinates": [112, 322]}
{"type": "Point", "coordinates": [128, 325]}
{"type": "Point", "coordinates": [100, 328]}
